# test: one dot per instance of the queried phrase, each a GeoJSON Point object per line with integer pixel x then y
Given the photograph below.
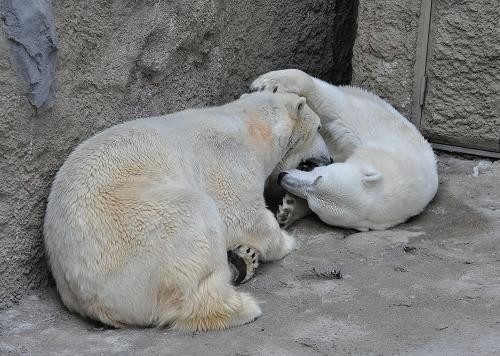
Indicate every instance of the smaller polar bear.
{"type": "Point", "coordinates": [384, 170]}
{"type": "Point", "coordinates": [140, 216]}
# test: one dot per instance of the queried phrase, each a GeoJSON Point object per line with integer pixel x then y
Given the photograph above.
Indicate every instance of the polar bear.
{"type": "Point", "coordinates": [384, 170]}
{"type": "Point", "coordinates": [140, 216]}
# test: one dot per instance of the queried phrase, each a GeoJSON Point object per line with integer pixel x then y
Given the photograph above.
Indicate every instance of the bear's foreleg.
{"type": "Point", "coordinates": [266, 236]}
{"type": "Point", "coordinates": [265, 241]}
{"type": "Point", "coordinates": [243, 261]}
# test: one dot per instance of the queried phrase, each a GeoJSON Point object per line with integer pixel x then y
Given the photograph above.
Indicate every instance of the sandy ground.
{"type": "Point", "coordinates": [428, 287]}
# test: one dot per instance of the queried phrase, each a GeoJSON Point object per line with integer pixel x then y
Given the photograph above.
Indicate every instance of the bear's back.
{"type": "Point", "coordinates": [378, 123]}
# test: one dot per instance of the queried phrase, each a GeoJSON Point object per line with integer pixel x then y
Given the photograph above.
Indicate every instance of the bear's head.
{"type": "Point", "coordinates": [294, 129]}
{"type": "Point", "coordinates": [302, 127]}
{"type": "Point", "coordinates": [341, 194]}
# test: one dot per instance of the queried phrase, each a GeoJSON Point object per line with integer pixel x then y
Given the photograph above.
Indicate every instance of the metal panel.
{"type": "Point", "coordinates": [469, 151]}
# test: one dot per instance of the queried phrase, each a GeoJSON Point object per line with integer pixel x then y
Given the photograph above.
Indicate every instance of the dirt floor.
{"type": "Point", "coordinates": [430, 286]}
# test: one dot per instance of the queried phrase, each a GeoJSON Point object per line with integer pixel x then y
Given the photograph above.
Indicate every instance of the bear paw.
{"type": "Point", "coordinates": [244, 260]}
{"type": "Point", "coordinates": [284, 81]}
{"type": "Point", "coordinates": [285, 214]}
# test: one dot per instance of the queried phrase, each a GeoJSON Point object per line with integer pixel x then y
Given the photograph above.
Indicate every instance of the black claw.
{"type": "Point", "coordinates": [253, 255]}
{"type": "Point", "coordinates": [248, 250]}
{"type": "Point", "coordinates": [240, 265]}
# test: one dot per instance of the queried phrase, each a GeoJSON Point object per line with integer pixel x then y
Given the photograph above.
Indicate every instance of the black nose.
{"type": "Point", "coordinates": [280, 176]}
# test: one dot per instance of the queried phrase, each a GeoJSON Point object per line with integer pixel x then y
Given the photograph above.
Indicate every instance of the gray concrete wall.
{"type": "Point", "coordinates": [385, 49]}
{"type": "Point", "coordinates": [462, 104]}
{"type": "Point", "coordinates": [125, 59]}
{"type": "Point", "coordinates": [462, 100]}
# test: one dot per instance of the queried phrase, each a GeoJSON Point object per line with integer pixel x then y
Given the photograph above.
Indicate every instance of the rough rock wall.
{"type": "Point", "coordinates": [125, 59]}
{"type": "Point", "coordinates": [385, 50]}
{"type": "Point", "coordinates": [462, 104]}
{"type": "Point", "coordinates": [462, 100]}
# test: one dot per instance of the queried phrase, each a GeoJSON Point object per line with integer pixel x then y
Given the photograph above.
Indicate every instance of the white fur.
{"type": "Point", "coordinates": [140, 216]}
{"type": "Point", "coordinates": [385, 171]}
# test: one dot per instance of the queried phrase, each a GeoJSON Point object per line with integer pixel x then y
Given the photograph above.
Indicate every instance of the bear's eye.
{"type": "Point", "coordinates": [319, 127]}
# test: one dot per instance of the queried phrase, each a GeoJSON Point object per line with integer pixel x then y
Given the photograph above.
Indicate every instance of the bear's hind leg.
{"type": "Point", "coordinates": [216, 305]}
{"type": "Point", "coordinates": [195, 291]}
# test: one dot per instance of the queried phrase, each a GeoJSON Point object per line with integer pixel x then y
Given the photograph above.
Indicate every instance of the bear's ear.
{"type": "Point", "coordinates": [371, 176]}
{"type": "Point", "coordinates": [299, 105]}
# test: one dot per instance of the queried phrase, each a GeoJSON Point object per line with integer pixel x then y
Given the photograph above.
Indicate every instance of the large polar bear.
{"type": "Point", "coordinates": [140, 216]}
{"type": "Point", "coordinates": [385, 171]}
